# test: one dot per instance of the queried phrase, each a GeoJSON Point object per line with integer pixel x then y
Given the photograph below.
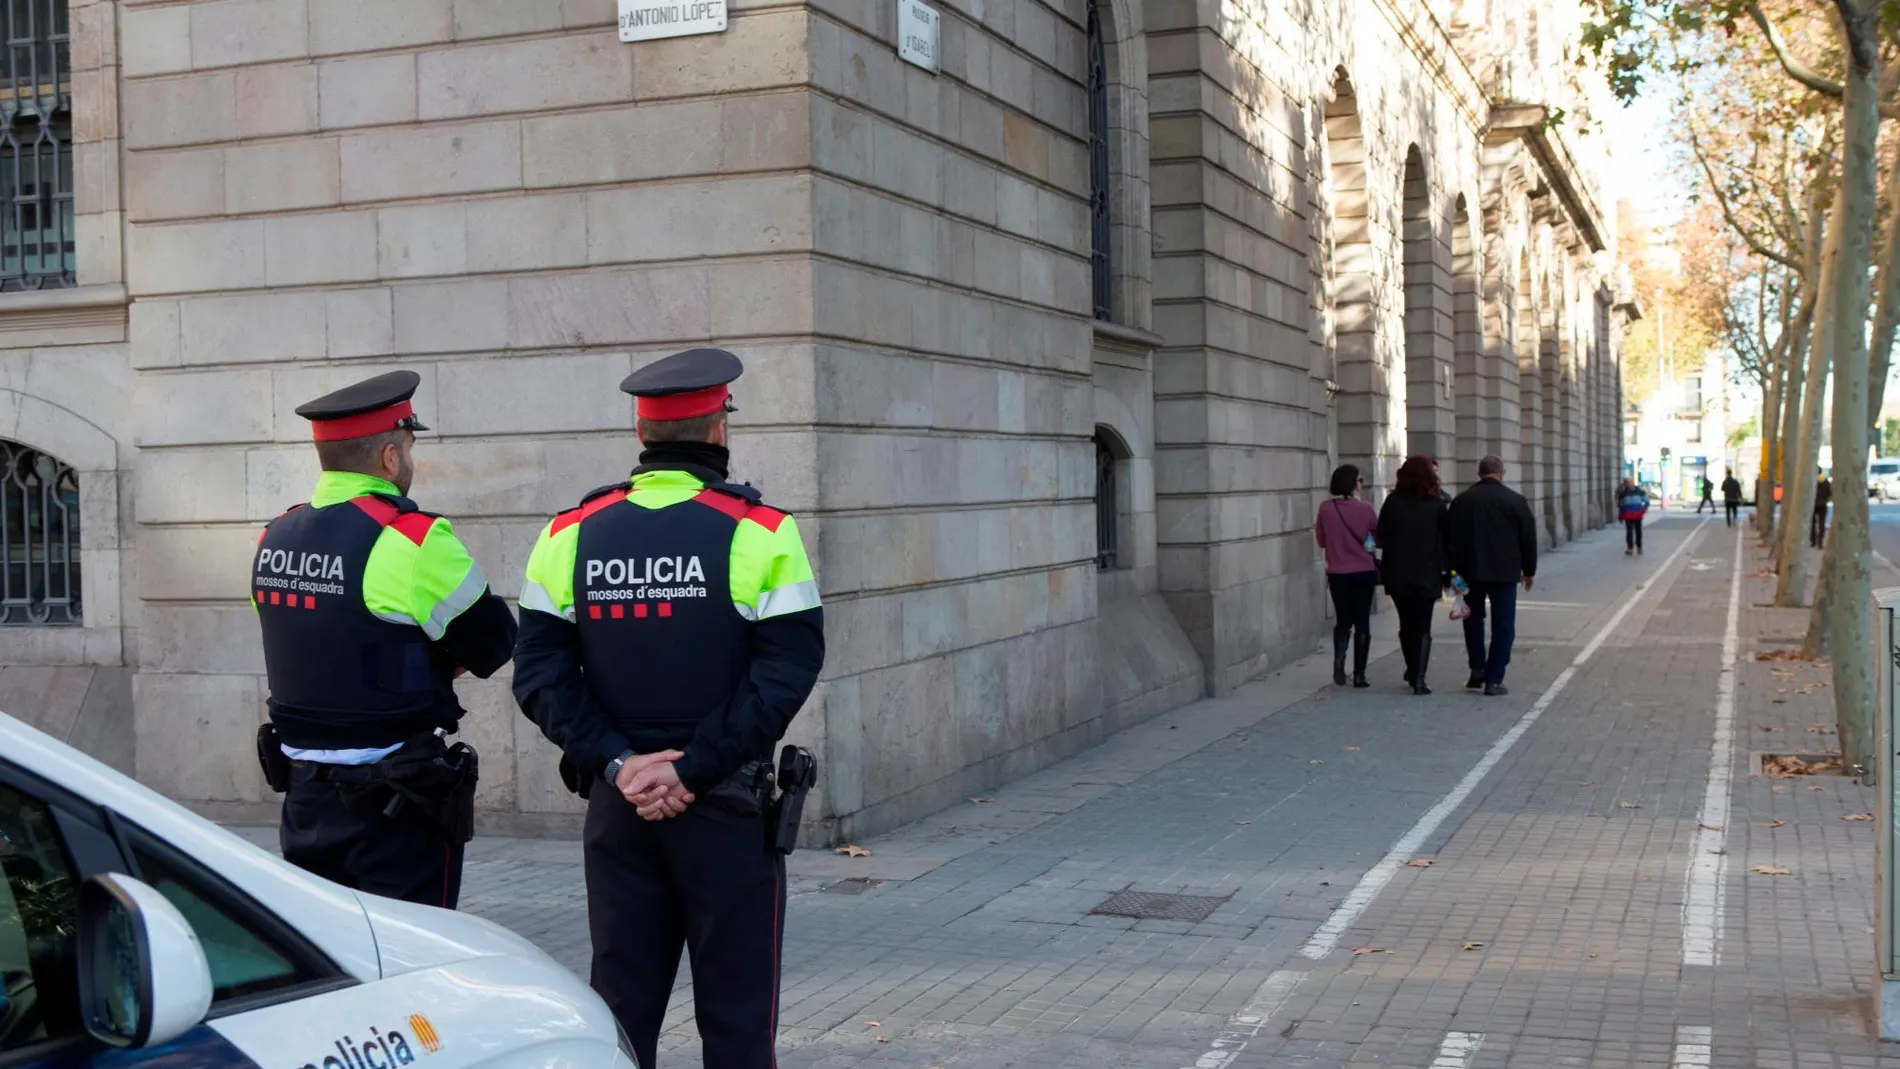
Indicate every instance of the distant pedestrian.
{"type": "Point", "coordinates": [1708, 495]}
{"type": "Point", "coordinates": [1632, 503]}
{"type": "Point", "coordinates": [1732, 496]}
{"type": "Point", "coordinates": [1347, 529]}
{"type": "Point", "coordinates": [1817, 525]}
{"type": "Point", "coordinates": [1412, 525]}
{"type": "Point", "coordinates": [1493, 545]}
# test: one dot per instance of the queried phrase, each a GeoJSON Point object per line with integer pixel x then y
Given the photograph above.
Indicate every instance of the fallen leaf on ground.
{"type": "Point", "coordinates": [1782, 765]}
{"type": "Point", "coordinates": [981, 801]}
{"type": "Point", "coordinates": [1473, 946]}
{"type": "Point", "coordinates": [1778, 655]}
{"type": "Point", "coordinates": [1419, 863]}
{"type": "Point", "coordinates": [1857, 816]}
{"type": "Point", "coordinates": [852, 851]}
{"type": "Point", "coordinates": [1644, 879]}
{"type": "Point", "coordinates": [1779, 790]}
{"type": "Point", "coordinates": [1817, 788]}
{"type": "Point", "coordinates": [1710, 827]}
{"type": "Point", "coordinates": [1763, 574]}
{"type": "Point", "coordinates": [1812, 687]}
{"type": "Point", "coordinates": [882, 1039]}
{"type": "Point", "coordinates": [1774, 824]}
{"type": "Point", "coordinates": [1316, 761]}
{"type": "Point", "coordinates": [1718, 851]}
{"type": "Point", "coordinates": [1772, 870]}
{"type": "Point", "coordinates": [1820, 729]}
{"type": "Point", "coordinates": [1765, 727]}
{"type": "Point", "coordinates": [1588, 783]}
{"type": "Point", "coordinates": [1628, 805]}
{"type": "Point", "coordinates": [1243, 822]}
{"type": "Point", "coordinates": [1356, 951]}
{"type": "Point", "coordinates": [875, 1024]}
{"type": "Point", "coordinates": [1349, 749]}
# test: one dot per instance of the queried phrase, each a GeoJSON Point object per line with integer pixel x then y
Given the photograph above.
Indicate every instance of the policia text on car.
{"type": "Point", "coordinates": [370, 608]}
{"type": "Point", "coordinates": [670, 631]}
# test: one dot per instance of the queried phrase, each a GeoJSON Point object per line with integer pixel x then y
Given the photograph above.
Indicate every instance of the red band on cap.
{"type": "Point", "coordinates": [361, 425]}
{"type": "Point", "coordinates": [683, 405]}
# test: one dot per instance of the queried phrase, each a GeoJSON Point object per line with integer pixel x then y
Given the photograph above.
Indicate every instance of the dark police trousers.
{"type": "Point", "coordinates": [334, 827]}
{"type": "Point", "coordinates": [705, 880]}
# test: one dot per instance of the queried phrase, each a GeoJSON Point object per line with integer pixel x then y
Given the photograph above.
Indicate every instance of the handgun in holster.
{"type": "Point", "coordinates": [272, 758]}
{"type": "Point", "coordinates": [797, 775]}
{"type": "Point", "coordinates": [437, 779]}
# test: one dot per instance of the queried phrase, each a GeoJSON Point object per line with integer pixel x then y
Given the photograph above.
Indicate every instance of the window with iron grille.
{"type": "Point", "coordinates": [39, 538]}
{"type": "Point", "coordinates": [36, 149]}
{"type": "Point", "coordinates": [1105, 505]}
{"type": "Point", "coordinates": [1098, 165]}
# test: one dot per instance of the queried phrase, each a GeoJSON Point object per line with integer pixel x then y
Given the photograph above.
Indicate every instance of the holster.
{"type": "Point", "coordinates": [797, 775]}
{"type": "Point", "coordinates": [438, 781]}
{"type": "Point", "coordinates": [574, 779]}
{"type": "Point", "coordinates": [272, 759]}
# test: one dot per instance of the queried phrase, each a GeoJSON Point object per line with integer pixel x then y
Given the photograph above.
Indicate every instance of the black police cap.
{"type": "Point", "coordinates": [359, 410]}
{"type": "Point", "coordinates": [684, 385]}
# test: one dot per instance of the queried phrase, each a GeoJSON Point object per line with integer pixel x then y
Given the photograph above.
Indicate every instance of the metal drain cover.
{"type": "Point", "coordinates": [1152, 907]}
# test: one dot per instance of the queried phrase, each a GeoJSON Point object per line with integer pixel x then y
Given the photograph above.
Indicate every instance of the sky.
{"type": "Point", "coordinates": [1641, 169]}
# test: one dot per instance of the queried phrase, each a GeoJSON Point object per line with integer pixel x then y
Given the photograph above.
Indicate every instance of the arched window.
{"type": "Point", "coordinates": [1107, 505]}
{"type": "Point", "coordinates": [39, 538]}
{"type": "Point", "coordinates": [1099, 231]}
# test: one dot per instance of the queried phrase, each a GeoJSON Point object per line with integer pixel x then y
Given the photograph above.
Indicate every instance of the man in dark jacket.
{"type": "Point", "coordinates": [1731, 496]}
{"type": "Point", "coordinates": [1817, 524]}
{"type": "Point", "coordinates": [1493, 546]}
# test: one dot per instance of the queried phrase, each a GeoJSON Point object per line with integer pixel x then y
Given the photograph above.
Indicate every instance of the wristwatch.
{"type": "Point", "coordinates": [612, 772]}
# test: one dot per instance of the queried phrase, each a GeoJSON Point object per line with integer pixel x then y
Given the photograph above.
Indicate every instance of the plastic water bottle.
{"type": "Point", "coordinates": [1459, 586]}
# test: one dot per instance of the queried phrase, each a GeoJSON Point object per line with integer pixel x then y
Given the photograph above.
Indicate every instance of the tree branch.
{"type": "Point", "coordinates": [1800, 71]}
{"type": "Point", "coordinates": [1754, 243]}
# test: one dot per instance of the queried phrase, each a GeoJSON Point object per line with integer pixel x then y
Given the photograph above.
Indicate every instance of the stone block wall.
{"type": "Point", "coordinates": [1329, 240]}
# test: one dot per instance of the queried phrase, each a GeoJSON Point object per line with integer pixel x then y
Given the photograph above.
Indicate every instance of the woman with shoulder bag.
{"type": "Point", "coordinates": [1347, 529]}
{"type": "Point", "coordinates": [1412, 536]}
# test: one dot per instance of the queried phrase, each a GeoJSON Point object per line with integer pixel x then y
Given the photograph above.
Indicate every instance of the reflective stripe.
{"type": "Point", "coordinates": [535, 596]}
{"type": "Point", "coordinates": [796, 597]}
{"type": "Point", "coordinates": [398, 618]}
{"type": "Point", "coordinates": [473, 585]}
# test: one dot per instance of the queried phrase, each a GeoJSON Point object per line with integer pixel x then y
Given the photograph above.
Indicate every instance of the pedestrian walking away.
{"type": "Point", "coordinates": [671, 630]}
{"type": "Point", "coordinates": [1412, 525]}
{"type": "Point", "coordinates": [1732, 497]}
{"type": "Point", "coordinates": [370, 608]}
{"type": "Point", "coordinates": [1347, 529]}
{"type": "Point", "coordinates": [1708, 495]}
{"type": "Point", "coordinates": [1817, 524]}
{"type": "Point", "coordinates": [1632, 504]}
{"type": "Point", "coordinates": [1492, 545]}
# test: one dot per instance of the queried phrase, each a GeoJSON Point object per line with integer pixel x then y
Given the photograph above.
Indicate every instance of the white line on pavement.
{"type": "Point", "coordinates": [1250, 1020]}
{"type": "Point", "coordinates": [1456, 1051]}
{"type": "Point", "coordinates": [1326, 939]}
{"type": "Point", "coordinates": [1708, 864]}
{"type": "Point", "coordinates": [1693, 1043]}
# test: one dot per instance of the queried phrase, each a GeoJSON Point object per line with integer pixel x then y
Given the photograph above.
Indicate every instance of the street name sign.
{"type": "Point", "coordinates": [652, 20]}
{"type": "Point", "coordinates": [919, 30]}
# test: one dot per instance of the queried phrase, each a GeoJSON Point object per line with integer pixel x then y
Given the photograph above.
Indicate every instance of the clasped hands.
{"type": "Point", "coordinates": [653, 786]}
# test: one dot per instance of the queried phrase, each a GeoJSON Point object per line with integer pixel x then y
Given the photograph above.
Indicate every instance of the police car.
{"type": "Point", "coordinates": [133, 933]}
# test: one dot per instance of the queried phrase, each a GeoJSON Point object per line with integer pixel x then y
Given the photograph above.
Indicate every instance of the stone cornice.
{"type": "Point", "coordinates": [1530, 123]}
{"type": "Point", "coordinates": [76, 315]}
{"type": "Point", "coordinates": [1432, 47]}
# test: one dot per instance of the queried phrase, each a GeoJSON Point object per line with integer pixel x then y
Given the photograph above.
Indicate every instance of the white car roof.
{"type": "Point", "coordinates": [331, 917]}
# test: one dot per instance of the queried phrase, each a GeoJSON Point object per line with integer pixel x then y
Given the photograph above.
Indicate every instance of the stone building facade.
{"type": "Point", "coordinates": [1052, 349]}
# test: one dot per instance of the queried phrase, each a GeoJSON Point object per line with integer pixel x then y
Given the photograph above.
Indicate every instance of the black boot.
{"type": "Point", "coordinates": [1339, 660]}
{"type": "Point", "coordinates": [1423, 663]}
{"type": "Point", "coordinates": [1408, 648]}
{"type": "Point", "coordinates": [1361, 648]}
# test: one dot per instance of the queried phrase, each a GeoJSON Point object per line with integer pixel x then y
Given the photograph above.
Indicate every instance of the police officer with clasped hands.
{"type": "Point", "coordinates": [370, 608]}
{"type": "Point", "coordinates": [670, 631]}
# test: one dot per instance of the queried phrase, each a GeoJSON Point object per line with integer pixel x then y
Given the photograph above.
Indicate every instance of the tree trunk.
{"type": "Point", "coordinates": [1798, 495]}
{"type": "Point", "coordinates": [1777, 373]}
{"type": "Point", "coordinates": [1886, 308]}
{"type": "Point", "coordinates": [1851, 598]}
{"type": "Point", "coordinates": [1798, 361]}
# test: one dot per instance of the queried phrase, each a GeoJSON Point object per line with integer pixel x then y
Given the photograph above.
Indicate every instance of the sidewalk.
{"type": "Point", "coordinates": [1569, 879]}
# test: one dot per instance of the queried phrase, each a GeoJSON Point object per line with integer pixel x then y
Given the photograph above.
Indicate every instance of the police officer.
{"type": "Point", "coordinates": [370, 608]}
{"type": "Point", "coordinates": [670, 631]}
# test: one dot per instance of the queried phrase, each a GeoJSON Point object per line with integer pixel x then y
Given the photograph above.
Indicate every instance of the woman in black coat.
{"type": "Point", "coordinates": [1412, 535]}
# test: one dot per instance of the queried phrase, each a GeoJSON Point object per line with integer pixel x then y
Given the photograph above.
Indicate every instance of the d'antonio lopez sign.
{"type": "Point", "coordinates": [651, 20]}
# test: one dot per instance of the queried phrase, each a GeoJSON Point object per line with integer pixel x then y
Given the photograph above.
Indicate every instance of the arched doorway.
{"type": "Point", "coordinates": [1352, 285]}
{"type": "Point", "coordinates": [1429, 408]}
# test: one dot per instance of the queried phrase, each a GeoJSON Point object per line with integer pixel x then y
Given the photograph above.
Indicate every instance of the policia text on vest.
{"type": "Point", "coordinates": [369, 609]}
{"type": "Point", "coordinates": [670, 631]}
